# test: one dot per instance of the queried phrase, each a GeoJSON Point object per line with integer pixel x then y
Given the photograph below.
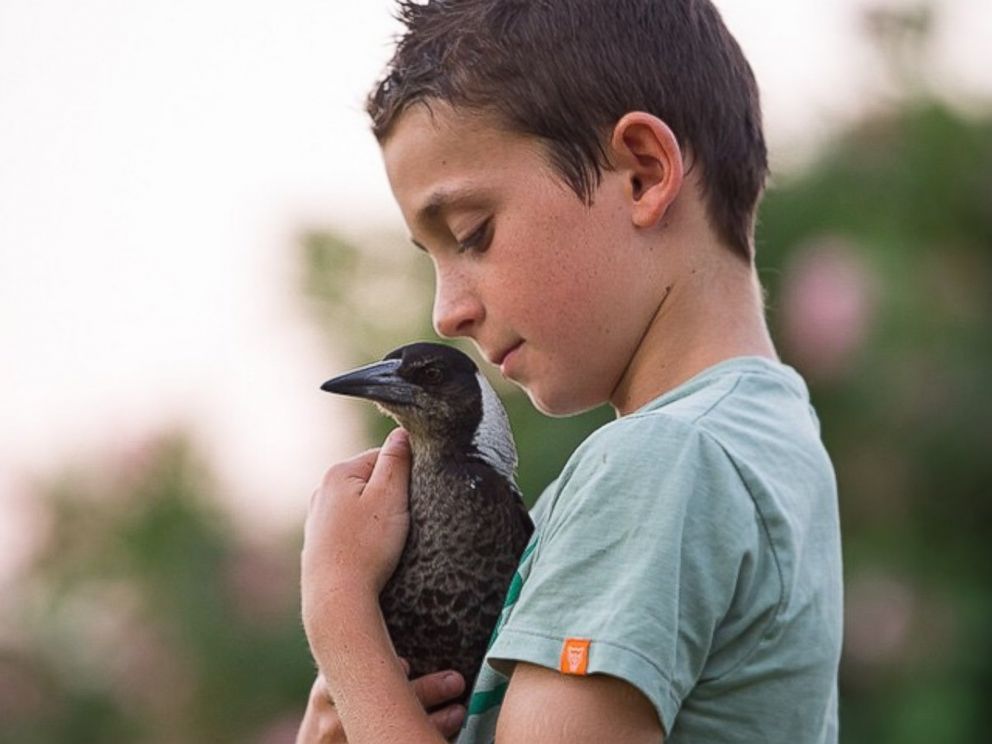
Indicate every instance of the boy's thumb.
{"type": "Point", "coordinates": [392, 468]}
{"type": "Point", "coordinates": [397, 443]}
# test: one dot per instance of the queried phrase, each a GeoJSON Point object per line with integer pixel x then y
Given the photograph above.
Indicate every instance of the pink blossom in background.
{"type": "Point", "coordinates": [879, 616]}
{"type": "Point", "coordinates": [827, 307]}
{"type": "Point", "coordinates": [893, 625]}
{"type": "Point", "coordinates": [146, 670]}
{"type": "Point", "coordinates": [23, 693]}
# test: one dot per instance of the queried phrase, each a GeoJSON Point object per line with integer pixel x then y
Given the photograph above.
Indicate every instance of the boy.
{"type": "Point", "coordinates": [584, 176]}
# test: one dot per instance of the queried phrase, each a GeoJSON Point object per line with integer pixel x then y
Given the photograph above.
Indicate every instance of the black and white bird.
{"type": "Point", "coordinates": [468, 523]}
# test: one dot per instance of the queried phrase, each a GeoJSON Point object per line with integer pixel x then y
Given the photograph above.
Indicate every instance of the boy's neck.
{"type": "Point", "coordinates": [712, 312]}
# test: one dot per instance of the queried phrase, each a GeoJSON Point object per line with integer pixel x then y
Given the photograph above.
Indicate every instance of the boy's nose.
{"type": "Point", "coordinates": [456, 309]}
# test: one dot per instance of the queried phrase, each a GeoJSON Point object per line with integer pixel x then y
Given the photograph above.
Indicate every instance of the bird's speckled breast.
{"type": "Point", "coordinates": [467, 530]}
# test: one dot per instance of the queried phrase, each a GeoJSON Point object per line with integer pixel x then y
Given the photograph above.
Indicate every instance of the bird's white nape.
{"type": "Point", "coordinates": [493, 438]}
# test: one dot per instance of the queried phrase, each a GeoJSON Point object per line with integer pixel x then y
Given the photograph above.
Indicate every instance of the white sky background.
{"type": "Point", "coordinates": [156, 162]}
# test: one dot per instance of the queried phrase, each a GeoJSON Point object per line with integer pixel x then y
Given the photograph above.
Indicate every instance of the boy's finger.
{"type": "Point", "coordinates": [437, 688]}
{"type": "Point", "coordinates": [358, 468]}
{"type": "Point", "coordinates": [448, 720]}
{"type": "Point", "coordinates": [362, 464]}
{"type": "Point", "coordinates": [391, 473]}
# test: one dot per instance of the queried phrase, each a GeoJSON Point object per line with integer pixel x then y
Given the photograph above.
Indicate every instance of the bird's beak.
{"type": "Point", "coordinates": [379, 382]}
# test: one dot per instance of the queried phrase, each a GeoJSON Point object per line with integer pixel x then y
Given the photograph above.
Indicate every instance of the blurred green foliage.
{"type": "Point", "coordinates": [146, 617]}
{"type": "Point", "coordinates": [908, 420]}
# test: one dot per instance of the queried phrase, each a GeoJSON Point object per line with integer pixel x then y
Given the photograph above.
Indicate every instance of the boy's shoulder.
{"type": "Point", "coordinates": [746, 407]}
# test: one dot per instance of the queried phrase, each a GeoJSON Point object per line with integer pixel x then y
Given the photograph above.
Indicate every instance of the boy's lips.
{"type": "Point", "coordinates": [498, 358]}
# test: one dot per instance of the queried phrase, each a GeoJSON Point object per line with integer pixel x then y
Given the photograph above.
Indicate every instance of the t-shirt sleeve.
{"type": "Point", "coordinates": [639, 553]}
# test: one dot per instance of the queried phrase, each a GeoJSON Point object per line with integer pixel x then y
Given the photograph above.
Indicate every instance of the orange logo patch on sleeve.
{"type": "Point", "coordinates": [575, 656]}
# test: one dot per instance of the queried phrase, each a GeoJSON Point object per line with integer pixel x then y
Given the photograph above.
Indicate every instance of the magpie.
{"type": "Point", "coordinates": [468, 522]}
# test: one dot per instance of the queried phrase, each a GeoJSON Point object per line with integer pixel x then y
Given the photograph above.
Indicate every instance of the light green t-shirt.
{"type": "Point", "coordinates": [695, 546]}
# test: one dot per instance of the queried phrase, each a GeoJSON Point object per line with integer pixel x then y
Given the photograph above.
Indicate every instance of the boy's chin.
{"type": "Point", "coordinates": [560, 404]}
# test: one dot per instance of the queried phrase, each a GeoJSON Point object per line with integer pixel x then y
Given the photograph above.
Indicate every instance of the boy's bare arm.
{"type": "Point", "coordinates": [543, 705]}
{"type": "Point", "coordinates": [377, 704]}
{"type": "Point", "coordinates": [321, 723]}
{"type": "Point", "coordinates": [365, 679]}
{"type": "Point", "coordinates": [355, 530]}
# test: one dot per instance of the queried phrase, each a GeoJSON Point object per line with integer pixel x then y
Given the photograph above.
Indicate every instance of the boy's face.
{"type": "Point", "coordinates": [558, 293]}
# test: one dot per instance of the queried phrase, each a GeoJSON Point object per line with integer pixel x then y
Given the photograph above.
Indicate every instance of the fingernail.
{"type": "Point", "coordinates": [398, 438]}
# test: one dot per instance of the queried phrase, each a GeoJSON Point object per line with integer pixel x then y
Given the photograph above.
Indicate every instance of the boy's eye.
{"type": "Point", "coordinates": [477, 240]}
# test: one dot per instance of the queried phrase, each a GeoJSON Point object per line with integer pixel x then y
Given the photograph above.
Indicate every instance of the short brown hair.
{"type": "Point", "coordinates": [565, 71]}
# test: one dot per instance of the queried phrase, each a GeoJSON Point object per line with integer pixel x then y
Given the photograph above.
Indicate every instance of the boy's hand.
{"type": "Point", "coordinates": [355, 530]}
{"type": "Point", "coordinates": [321, 724]}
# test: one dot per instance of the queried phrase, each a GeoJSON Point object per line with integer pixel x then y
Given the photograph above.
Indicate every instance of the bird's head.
{"type": "Point", "coordinates": [437, 394]}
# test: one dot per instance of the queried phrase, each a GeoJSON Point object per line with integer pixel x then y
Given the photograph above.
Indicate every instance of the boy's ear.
{"type": "Point", "coordinates": [645, 150]}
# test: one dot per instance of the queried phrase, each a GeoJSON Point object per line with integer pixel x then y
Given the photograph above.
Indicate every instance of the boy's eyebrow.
{"type": "Point", "coordinates": [444, 199]}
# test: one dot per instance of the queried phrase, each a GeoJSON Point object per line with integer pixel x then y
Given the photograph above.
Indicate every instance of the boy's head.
{"type": "Point", "coordinates": [537, 151]}
{"type": "Point", "coordinates": [566, 71]}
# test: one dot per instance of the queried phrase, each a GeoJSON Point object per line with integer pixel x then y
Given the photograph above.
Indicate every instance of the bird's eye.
{"type": "Point", "coordinates": [432, 375]}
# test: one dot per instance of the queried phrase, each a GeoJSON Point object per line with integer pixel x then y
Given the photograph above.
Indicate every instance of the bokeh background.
{"type": "Point", "coordinates": [195, 231]}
